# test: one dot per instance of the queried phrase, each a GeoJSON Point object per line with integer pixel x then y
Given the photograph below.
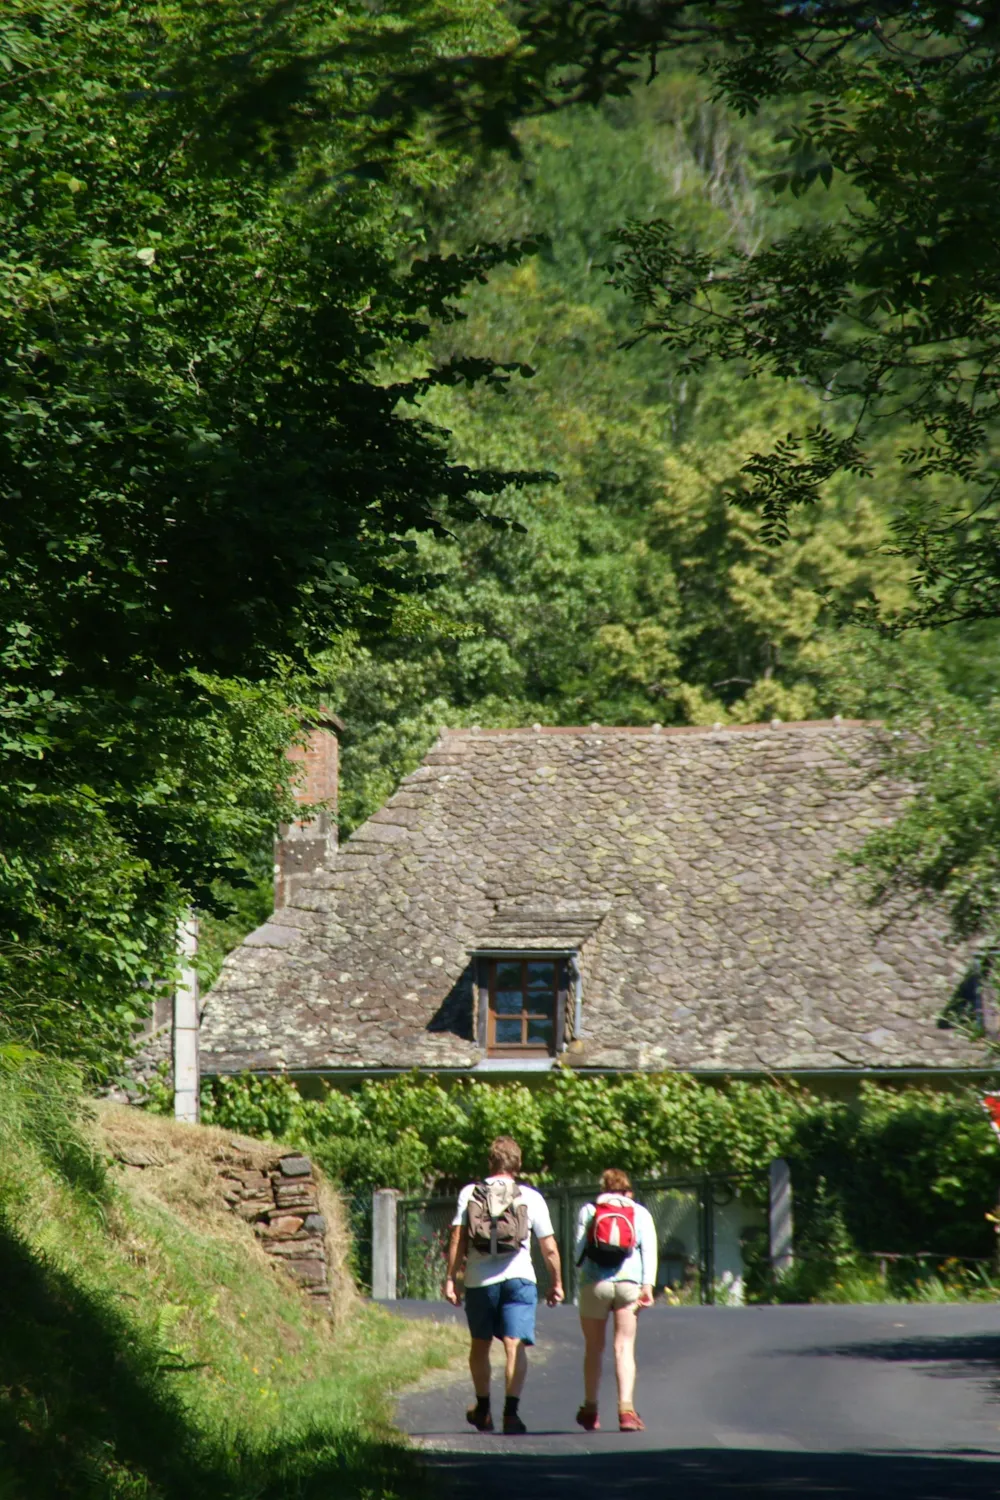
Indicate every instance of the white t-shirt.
{"type": "Point", "coordinates": [483, 1269]}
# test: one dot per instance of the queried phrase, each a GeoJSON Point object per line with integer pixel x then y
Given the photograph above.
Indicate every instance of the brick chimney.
{"type": "Point", "coordinates": [303, 846]}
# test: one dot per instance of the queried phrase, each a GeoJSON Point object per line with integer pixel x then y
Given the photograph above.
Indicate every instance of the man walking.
{"type": "Point", "coordinates": [491, 1235]}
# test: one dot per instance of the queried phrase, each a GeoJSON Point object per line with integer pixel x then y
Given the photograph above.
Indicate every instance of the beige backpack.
{"type": "Point", "coordinates": [497, 1217]}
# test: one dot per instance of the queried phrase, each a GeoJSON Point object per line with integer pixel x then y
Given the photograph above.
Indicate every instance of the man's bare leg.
{"type": "Point", "coordinates": [479, 1416]}
{"type": "Point", "coordinates": [516, 1360]}
{"type": "Point", "coordinates": [479, 1365]}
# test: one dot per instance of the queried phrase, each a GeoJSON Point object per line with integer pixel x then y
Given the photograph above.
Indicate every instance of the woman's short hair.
{"type": "Point", "coordinates": [504, 1155]}
{"type": "Point", "coordinates": [614, 1180]}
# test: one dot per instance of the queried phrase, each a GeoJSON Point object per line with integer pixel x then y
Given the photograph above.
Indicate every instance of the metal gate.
{"type": "Point", "coordinates": [687, 1211]}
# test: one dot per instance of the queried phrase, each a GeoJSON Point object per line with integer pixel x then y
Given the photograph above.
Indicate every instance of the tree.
{"type": "Point", "coordinates": [890, 312]}
{"type": "Point", "coordinates": [886, 309]}
{"type": "Point", "coordinates": [207, 468]}
{"type": "Point", "coordinates": [635, 593]}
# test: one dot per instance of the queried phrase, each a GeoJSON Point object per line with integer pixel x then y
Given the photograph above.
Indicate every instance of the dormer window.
{"type": "Point", "coordinates": [527, 983]}
{"type": "Point", "coordinates": [523, 1005]}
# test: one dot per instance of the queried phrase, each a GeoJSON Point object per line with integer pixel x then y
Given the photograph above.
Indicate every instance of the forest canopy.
{"type": "Point", "coordinates": [457, 363]}
{"type": "Point", "coordinates": [859, 269]}
{"type": "Point", "coordinates": [207, 473]}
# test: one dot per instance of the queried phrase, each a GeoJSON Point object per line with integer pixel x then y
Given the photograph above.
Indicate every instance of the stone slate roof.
{"type": "Point", "coordinates": [538, 930]}
{"type": "Point", "coordinates": [696, 872]}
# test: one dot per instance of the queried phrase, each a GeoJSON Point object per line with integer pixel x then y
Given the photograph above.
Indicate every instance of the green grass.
{"type": "Point", "coordinates": [950, 1284]}
{"type": "Point", "coordinates": [859, 1280]}
{"type": "Point", "coordinates": [149, 1351]}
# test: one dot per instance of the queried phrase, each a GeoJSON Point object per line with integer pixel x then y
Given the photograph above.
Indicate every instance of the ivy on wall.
{"type": "Point", "coordinates": [894, 1169]}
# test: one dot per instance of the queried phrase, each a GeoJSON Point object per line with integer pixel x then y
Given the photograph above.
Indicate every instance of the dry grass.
{"type": "Point", "coordinates": [180, 1166]}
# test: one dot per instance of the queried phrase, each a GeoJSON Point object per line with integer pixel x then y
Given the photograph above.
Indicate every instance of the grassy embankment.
{"type": "Point", "coordinates": [149, 1350]}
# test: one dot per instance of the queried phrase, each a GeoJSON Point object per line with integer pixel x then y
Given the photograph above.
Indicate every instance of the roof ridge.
{"type": "Point", "coordinates": [656, 730]}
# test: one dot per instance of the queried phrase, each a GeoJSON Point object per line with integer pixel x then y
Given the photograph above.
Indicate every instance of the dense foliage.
{"type": "Point", "coordinates": [206, 466]}
{"type": "Point", "coordinates": [888, 310]}
{"type": "Point", "coordinates": [875, 288]}
{"type": "Point", "coordinates": [636, 593]}
{"type": "Point", "coordinates": [900, 1170]}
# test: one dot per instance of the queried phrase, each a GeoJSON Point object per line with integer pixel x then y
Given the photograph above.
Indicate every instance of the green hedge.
{"type": "Point", "coordinates": [896, 1170]}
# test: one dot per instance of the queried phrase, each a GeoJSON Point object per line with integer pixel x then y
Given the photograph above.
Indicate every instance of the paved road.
{"type": "Point", "coordinates": [843, 1403]}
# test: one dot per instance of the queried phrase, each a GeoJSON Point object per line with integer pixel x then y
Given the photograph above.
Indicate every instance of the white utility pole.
{"type": "Point", "coordinates": [186, 1069]}
{"type": "Point", "coordinates": [384, 1270]}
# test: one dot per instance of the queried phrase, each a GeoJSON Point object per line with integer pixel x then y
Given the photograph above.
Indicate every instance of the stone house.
{"type": "Point", "coordinates": [606, 899]}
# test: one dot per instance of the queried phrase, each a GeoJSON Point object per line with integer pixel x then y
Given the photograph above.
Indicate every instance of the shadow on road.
{"type": "Point", "coordinates": [708, 1474]}
{"type": "Point", "coordinates": [959, 1357]}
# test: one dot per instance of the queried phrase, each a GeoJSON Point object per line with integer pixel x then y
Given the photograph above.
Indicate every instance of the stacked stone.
{"type": "Point", "coordinates": [281, 1203]}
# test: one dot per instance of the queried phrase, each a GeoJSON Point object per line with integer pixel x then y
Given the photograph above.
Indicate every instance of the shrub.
{"type": "Point", "coordinates": [895, 1170]}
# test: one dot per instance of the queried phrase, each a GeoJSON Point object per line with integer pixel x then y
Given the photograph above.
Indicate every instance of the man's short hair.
{"type": "Point", "coordinates": [614, 1180]}
{"type": "Point", "coordinates": [504, 1155]}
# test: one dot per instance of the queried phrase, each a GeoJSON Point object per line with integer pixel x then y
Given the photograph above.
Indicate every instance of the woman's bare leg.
{"type": "Point", "coordinates": [626, 1324]}
{"type": "Point", "coordinates": [594, 1331]}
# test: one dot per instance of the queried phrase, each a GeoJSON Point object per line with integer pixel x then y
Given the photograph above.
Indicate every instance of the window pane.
{"type": "Point", "coordinates": [508, 1002]}
{"type": "Point", "coordinates": [540, 1032]}
{"type": "Point", "coordinates": [541, 976]}
{"type": "Point", "coordinates": [508, 976]}
{"type": "Point", "coordinates": [508, 1032]}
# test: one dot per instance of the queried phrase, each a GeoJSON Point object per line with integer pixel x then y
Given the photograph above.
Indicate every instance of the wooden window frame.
{"type": "Point", "coordinates": [553, 1011]}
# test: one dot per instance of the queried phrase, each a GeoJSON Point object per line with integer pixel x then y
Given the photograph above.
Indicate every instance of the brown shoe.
{"type": "Point", "coordinates": [588, 1419]}
{"type": "Point", "coordinates": [630, 1421]}
{"type": "Point", "coordinates": [482, 1423]}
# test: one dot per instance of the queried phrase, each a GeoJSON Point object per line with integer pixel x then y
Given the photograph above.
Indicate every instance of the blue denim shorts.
{"type": "Point", "coordinates": [503, 1310]}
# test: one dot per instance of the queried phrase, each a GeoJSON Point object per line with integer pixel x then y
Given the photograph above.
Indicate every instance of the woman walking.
{"type": "Point", "coordinates": [616, 1253]}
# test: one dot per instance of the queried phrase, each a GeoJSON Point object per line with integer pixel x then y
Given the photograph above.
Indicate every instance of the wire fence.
{"type": "Point", "coordinates": [685, 1212]}
{"type": "Point", "coordinates": [691, 1216]}
{"type": "Point", "coordinates": [358, 1204]}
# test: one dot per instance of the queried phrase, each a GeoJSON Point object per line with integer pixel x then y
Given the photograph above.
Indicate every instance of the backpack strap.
{"type": "Point", "coordinates": [583, 1253]}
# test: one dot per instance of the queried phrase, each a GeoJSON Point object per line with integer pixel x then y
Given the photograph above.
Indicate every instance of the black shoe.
{"type": "Point", "coordinates": [512, 1424]}
{"type": "Point", "coordinates": [482, 1421]}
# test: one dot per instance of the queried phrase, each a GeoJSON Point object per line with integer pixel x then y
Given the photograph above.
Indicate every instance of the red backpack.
{"type": "Point", "coordinates": [611, 1233]}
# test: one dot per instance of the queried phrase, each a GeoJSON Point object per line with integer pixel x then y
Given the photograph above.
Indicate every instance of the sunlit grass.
{"type": "Point", "coordinates": [948, 1281]}
{"type": "Point", "coordinates": [151, 1351]}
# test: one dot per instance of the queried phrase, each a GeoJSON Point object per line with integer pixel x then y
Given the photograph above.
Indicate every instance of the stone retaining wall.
{"type": "Point", "coordinates": [281, 1201]}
